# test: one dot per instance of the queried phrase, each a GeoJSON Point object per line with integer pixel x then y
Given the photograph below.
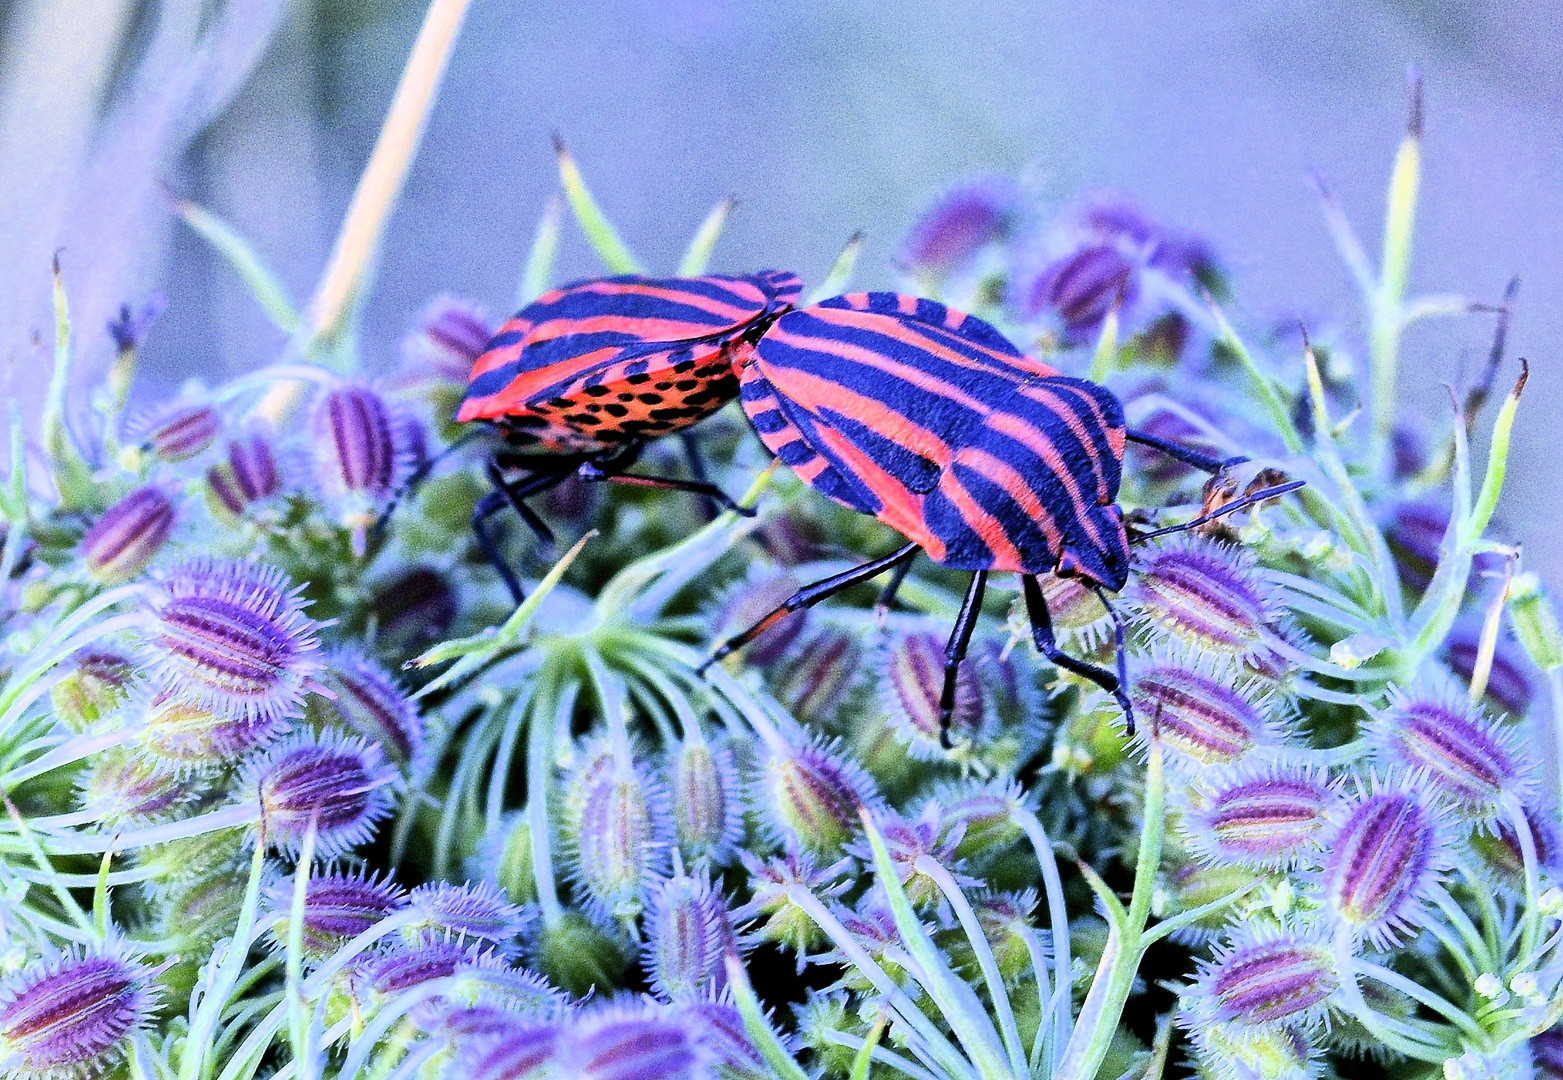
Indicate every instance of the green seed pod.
{"type": "Point", "coordinates": [576, 955]}
{"type": "Point", "coordinates": [1535, 621]}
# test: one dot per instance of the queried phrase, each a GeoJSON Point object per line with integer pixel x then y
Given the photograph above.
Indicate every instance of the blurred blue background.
{"type": "Point", "coordinates": [825, 118]}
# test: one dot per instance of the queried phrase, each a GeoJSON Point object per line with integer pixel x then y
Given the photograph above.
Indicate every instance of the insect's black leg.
{"type": "Point", "coordinates": [1185, 454]}
{"type": "Point", "coordinates": [893, 586]}
{"type": "Point", "coordinates": [593, 471]}
{"type": "Point", "coordinates": [487, 507]}
{"type": "Point", "coordinates": [1042, 634]}
{"type": "Point", "coordinates": [1236, 504]}
{"type": "Point", "coordinates": [697, 469]}
{"type": "Point", "coordinates": [955, 651]}
{"type": "Point", "coordinates": [514, 493]}
{"type": "Point", "coordinates": [810, 595]}
{"type": "Point", "coordinates": [1120, 653]}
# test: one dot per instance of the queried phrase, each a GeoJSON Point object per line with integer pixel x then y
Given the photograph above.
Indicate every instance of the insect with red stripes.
{"type": "Point", "coordinates": [578, 381]}
{"type": "Point", "coordinates": [985, 459]}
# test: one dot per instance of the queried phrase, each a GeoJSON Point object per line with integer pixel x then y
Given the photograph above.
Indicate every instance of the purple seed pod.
{"type": "Point", "coordinates": [127, 788]}
{"type": "Point", "coordinates": [1201, 592]}
{"type": "Point", "coordinates": [232, 636]}
{"type": "Point", "coordinates": [911, 682]}
{"type": "Point", "coordinates": [474, 910]}
{"type": "Point", "coordinates": [615, 829]}
{"type": "Point", "coordinates": [819, 674]}
{"type": "Point", "coordinates": [751, 600]}
{"type": "Point", "coordinates": [1509, 686]}
{"type": "Point", "coordinates": [979, 818]}
{"type": "Point", "coordinates": [1470, 763]}
{"type": "Point", "coordinates": [1271, 816]}
{"type": "Point", "coordinates": [491, 980]}
{"type": "Point", "coordinates": [361, 455]}
{"type": "Point", "coordinates": [1546, 1051]}
{"type": "Point", "coordinates": [810, 793]}
{"type": "Point", "coordinates": [719, 1028]}
{"type": "Point", "coordinates": [966, 219]}
{"type": "Point", "coordinates": [249, 474]}
{"type": "Point", "coordinates": [400, 968]}
{"type": "Point", "coordinates": [124, 540]}
{"type": "Point", "coordinates": [338, 906]}
{"type": "Point", "coordinates": [687, 934]}
{"type": "Point", "coordinates": [338, 783]}
{"type": "Point", "coordinates": [1279, 1052]}
{"type": "Point", "coordinates": [182, 433]}
{"type": "Point", "coordinates": [96, 688]}
{"type": "Point", "coordinates": [182, 736]}
{"type": "Point", "coordinates": [368, 701]}
{"type": "Point", "coordinates": [1080, 622]}
{"type": "Point", "coordinates": [448, 338]}
{"type": "Point", "coordinates": [770, 884]}
{"type": "Point", "coordinates": [413, 608]}
{"type": "Point", "coordinates": [1264, 977]}
{"type": "Point", "coordinates": [70, 1018]}
{"type": "Point", "coordinates": [1082, 288]}
{"type": "Point", "coordinates": [1503, 858]}
{"type": "Point", "coordinates": [1414, 534]}
{"type": "Point", "coordinates": [1383, 861]}
{"type": "Point", "coordinates": [1203, 714]}
{"type": "Point", "coordinates": [632, 1042]}
{"type": "Point", "coordinates": [706, 801]}
{"type": "Point", "coordinates": [526, 1050]}
{"type": "Point", "coordinates": [908, 841]}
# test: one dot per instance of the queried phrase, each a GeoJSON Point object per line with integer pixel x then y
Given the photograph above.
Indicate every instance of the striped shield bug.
{"type": "Point", "coordinates": [579, 380]}
{"type": "Point", "coordinates": [987, 460]}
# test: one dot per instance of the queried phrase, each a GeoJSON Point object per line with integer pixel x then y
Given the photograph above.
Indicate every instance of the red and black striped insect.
{"type": "Point", "coordinates": [579, 380]}
{"type": "Point", "coordinates": [985, 459]}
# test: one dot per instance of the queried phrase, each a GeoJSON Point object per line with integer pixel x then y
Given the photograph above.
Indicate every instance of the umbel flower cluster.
{"type": "Point", "coordinates": [293, 789]}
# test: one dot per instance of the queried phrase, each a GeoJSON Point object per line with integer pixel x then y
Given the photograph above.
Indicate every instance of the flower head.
{"type": "Point", "coordinates": [232, 636]}
{"type": "Point", "coordinates": [248, 475]}
{"type": "Point", "coordinates": [363, 453]}
{"type": "Point", "coordinates": [1205, 593]}
{"type": "Point", "coordinates": [1201, 712]}
{"type": "Point", "coordinates": [909, 842]}
{"type": "Point", "coordinates": [368, 701]}
{"type": "Point", "coordinates": [338, 906]}
{"type": "Point", "coordinates": [473, 910]}
{"type": "Point", "coordinates": [774, 884]}
{"type": "Point", "coordinates": [615, 829]}
{"type": "Point", "coordinates": [810, 793]}
{"type": "Point", "coordinates": [964, 220]}
{"type": "Point", "coordinates": [1272, 816]}
{"type": "Point", "coordinates": [1383, 861]}
{"type": "Point", "coordinates": [183, 432]}
{"type": "Point", "coordinates": [338, 784]}
{"type": "Point", "coordinates": [1266, 977]}
{"type": "Point", "coordinates": [124, 787]}
{"type": "Point", "coordinates": [705, 799]}
{"type": "Point", "coordinates": [1470, 762]}
{"type": "Point", "coordinates": [449, 337]}
{"type": "Point", "coordinates": [123, 541]}
{"type": "Point", "coordinates": [70, 1017]}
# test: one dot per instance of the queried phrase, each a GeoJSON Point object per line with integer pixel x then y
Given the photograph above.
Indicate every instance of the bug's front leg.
{"type": "Point", "coordinates": [1047, 645]}
{"type": "Point", "coordinates": [955, 652]}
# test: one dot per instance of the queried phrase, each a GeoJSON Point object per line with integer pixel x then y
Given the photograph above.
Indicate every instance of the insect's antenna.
{"type": "Point", "coordinates": [1262, 495]}
{"type": "Point", "coordinates": [418, 476]}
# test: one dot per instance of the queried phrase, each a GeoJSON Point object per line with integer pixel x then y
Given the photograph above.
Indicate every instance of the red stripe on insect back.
{"type": "Point", "coordinates": [871, 358]}
{"type": "Point", "coordinates": [748, 302]}
{"type": "Point", "coordinates": [1065, 403]}
{"type": "Point", "coordinates": [901, 510]}
{"type": "Point", "coordinates": [1035, 439]}
{"type": "Point", "coordinates": [639, 328]}
{"type": "Point", "coordinates": [1018, 488]}
{"type": "Point", "coordinates": [983, 523]}
{"type": "Point", "coordinates": [915, 335]}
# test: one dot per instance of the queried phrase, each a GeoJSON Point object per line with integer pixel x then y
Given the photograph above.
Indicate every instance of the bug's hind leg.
{"type": "Point", "coordinates": [512, 496]}
{"type": "Point", "coordinates": [887, 595]}
{"type": "Point", "coordinates": [810, 595]}
{"type": "Point", "coordinates": [487, 507]}
{"type": "Point", "coordinates": [697, 468]}
{"type": "Point", "coordinates": [1042, 635]}
{"type": "Point", "coordinates": [955, 652]}
{"type": "Point", "coordinates": [1187, 455]}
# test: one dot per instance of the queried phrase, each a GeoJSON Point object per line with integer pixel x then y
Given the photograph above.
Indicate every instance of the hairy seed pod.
{"type": "Point", "coordinates": [966, 219]}
{"type": "Point", "coordinates": [753, 599]}
{"type": "Point", "coordinates": [1383, 861]}
{"type": "Point", "coordinates": [184, 736]}
{"type": "Point", "coordinates": [616, 823]}
{"type": "Point", "coordinates": [1203, 717]}
{"type": "Point", "coordinates": [911, 684]}
{"type": "Point", "coordinates": [184, 433]}
{"type": "Point", "coordinates": [719, 1029]}
{"type": "Point", "coordinates": [369, 702]}
{"type": "Point", "coordinates": [362, 454]}
{"type": "Point", "coordinates": [70, 1018]}
{"type": "Point", "coordinates": [402, 968]}
{"type": "Point", "coordinates": [630, 1043]}
{"type": "Point", "coordinates": [1535, 620]}
{"type": "Point", "coordinates": [522, 1050]}
{"type": "Point", "coordinates": [124, 540]}
{"type": "Point", "coordinates": [97, 686]}
{"type": "Point", "coordinates": [248, 475]}
{"type": "Point", "coordinates": [819, 674]}
{"type": "Point", "coordinates": [706, 801]}
{"type": "Point", "coordinates": [810, 793]}
{"type": "Point", "coordinates": [413, 608]}
{"type": "Point", "coordinates": [1272, 817]}
{"type": "Point", "coordinates": [774, 883]}
{"type": "Point", "coordinates": [1469, 762]}
{"type": "Point", "coordinates": [338, 906]}
{"type": "Point", "coordinates": [507, 858]}
{"type": "Point", "coordinates": [1204, 593]}
{"type": "Point", "coordinates": [579, 956]}
{"type": "Point", "coordinates": [1261, 978]}
{"type": "Point", "coordinates": [687, 933]}
{"type": "Point", "coordinates": [908, 842]}
{"type": "Point", "coordinates": [474, 910]}
{"type": "Point", "coordinates": [449, 337]}
{"type": "Point", "coordinates": [1082, 288]}
{"type": "Point", "coordinates": [493, 980]}
{"type": "Point", "coordinates": [232, 636]}
{"type": "Point", "coordinates": [340, 785]}
{"type": "Point", "coordinates": [1509, 686]}
{"type": "Point", "coordinates": [980, 818]}
{"type": "Point", "coordinates": [126, 788]}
